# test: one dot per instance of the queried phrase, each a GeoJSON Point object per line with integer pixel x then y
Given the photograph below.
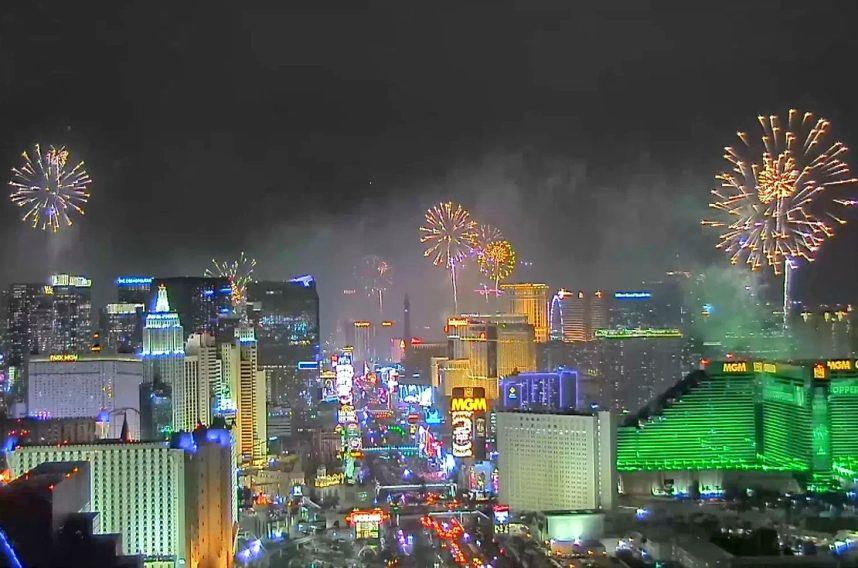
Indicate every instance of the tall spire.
{"type": "Point", "coordinates": [124, 435]}
{"type": "Point", "coordinates": [162, 304]}
{"type": "Point", "coordinates": [406, 321]}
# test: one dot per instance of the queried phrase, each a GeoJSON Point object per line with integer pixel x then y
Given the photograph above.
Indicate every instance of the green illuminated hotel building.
{"type": "Point", "coordinates": [799, 419]}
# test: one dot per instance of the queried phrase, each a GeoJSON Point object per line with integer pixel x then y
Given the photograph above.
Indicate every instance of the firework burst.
{"type": "Point", "coordinates": [497, 261]}
{"type": "Point", "coordinates": [485, 235]}
{"type": "Point", "coordinates": [449, 234]}
{"type": "Point", "coordinates": [375, 276]}
{"type": "Point", "coordinates": [48, 189]}
{"type": "Point", "coordinates": [779, 209]}
{"type": "Point", "coordinates": [239, 273]}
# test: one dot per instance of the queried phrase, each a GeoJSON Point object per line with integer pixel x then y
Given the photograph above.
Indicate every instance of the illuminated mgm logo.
{"type": "Point", "coordinates": [469, 404]}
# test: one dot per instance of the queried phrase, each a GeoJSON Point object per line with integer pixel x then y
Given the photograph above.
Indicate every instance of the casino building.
{"type": "Point", "coordinates": [745, 422]}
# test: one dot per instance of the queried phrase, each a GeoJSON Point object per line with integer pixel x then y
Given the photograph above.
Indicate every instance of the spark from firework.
{"type": "Point", "coordinates": [239, 273]}
{"type": "Point", "coordinates": [48, 188]}
{"type": "Point", "coordinates": [375, 276]}
{"type": "Point", "coordinates": [781, 209]}
{"type": "Point", "coordinates": [497, 261]}
{"type": "Point", "coordinates": [485, 234]}
{"type": "Point", "coordinates": [449, 234]}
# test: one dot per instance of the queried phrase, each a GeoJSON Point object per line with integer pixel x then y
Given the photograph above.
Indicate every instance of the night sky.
{"type": "Point", "coordinates": [308, 137]}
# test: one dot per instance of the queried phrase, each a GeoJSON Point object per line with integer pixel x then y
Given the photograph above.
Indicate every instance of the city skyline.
{"type": "Point", "coordinates": [379, 284]}
{"type": "Point", "coordinates": [589, 224]}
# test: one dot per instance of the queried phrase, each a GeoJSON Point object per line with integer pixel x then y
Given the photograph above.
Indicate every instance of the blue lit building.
{"type": "Point", "coordinates": [133, 289]}
{"type": "Point", "coordinates": [163, 365]}
{"type": "Point", "coordinates": [200, 301]}
{"type": "Point", "coordinates": [285, 315]}
{"type": "Point", "coordinates": [540, 390]}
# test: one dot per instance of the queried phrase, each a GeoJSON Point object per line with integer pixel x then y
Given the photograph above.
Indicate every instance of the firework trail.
{"type": "Point", "coordinates": [778, 209]}
{"type": "Point", "coordinates": [239, 273]}
{"type": "Point", "coordinates": [449, 234]}
{"type": "Point", "coordinates": [375, 276]}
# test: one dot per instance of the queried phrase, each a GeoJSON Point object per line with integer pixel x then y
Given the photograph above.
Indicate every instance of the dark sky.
{"type": "Point", "coordinates": [588, 131]}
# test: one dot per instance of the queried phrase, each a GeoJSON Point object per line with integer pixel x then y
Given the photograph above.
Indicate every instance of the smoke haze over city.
{"type": "Point", "coordinates": [312, 136]}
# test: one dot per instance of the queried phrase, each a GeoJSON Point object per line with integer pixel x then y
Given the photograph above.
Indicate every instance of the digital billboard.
{"type": "Point", "coordinates": [329, 386]}
{"type": "Point", "coordinates": [345, 373]}
{"type": "Point", "coordinates": [468, 407]}
{"type": "Point", "coordinates": [422, 395]}
{"type": "Point", "coordinates": [367, 523]}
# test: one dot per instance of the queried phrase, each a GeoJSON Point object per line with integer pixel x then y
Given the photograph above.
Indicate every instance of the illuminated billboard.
{"type": "Point", "coordinates": [346, 414]}
{"type": "Point", "coordinates": [501, 518]}
{"type": "Point", "coordinates": [329, 386]}
{"type": "Point", "coordinates": [632, 295]}
{"type": "Point", "coordinates": [367, 523]}
{"type": "Point", "coordinates": [416, 394]}
{"type": "Point", "coordinates": [468, 407]}
{"type": "Point", "coordinates": [345, 374]}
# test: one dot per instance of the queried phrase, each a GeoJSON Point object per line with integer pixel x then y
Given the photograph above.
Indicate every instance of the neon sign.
{"type": "Point", "coordinates": [63, 358]}
{"type": "Point", "coordinates": [735, 367]}
{"type": "Point", "coordinates": [125, 281]}
{"type": "Point", "coordinates": [345, 373]}
{"type": "Point", "coordinates": [367, 523]}
{"type": "Point", "coordinates": [469, 404]}
{"type": "Point", "coordinates": [346, 414]}
{"type": "Point", "coordinates": [632, 295]}
{"type": "Point", "coordinates": [839, 365]}
{"type": "Point", "coordinates": [323, 481]}
{"type": "Point", "coordinates": [468, 408]}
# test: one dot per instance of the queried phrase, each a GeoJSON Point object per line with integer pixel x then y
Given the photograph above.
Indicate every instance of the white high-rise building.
{"type": "Point", "coordinates": [97, 386]}
{"type": "Point", "coordinates": [138, 489]}
{"type": "Point", "coordinates": [556, 461]}
{"type": "Point", "coordinates": [243, 385]}
{"type": "Point", "coordinates": [172, 502]}
{"type": "Point", "coordinates": [192, 401]}
{"type": "Point", "coordinates": [163, 344]}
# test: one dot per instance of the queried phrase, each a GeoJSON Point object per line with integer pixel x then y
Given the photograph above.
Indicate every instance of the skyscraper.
{"type": "Point", "coordinates": [285, 315]}
{"type": "Point", "coordinates": [57, 528]}
{"type": "Point", "coordinates": [172, 502]}
{"type": "Point", "coordinates": [210, 496]}
{"type": "Point", "coordinates": [568, 313]}
{"type": "Point", "coordinates": [244, 386]}
{"type": "Point", "coordinates": [363, 341]}
{"type": "Point", "coordinates": [556, 461]}
{"type": "Point", "coordinates": [46, 318]}
{"type": "Point", "coordinates": [133, 289]}
{"type": "Point", "coordinates": [27, 305]}
{"type": "Point", "coordinates": [163, 366]}
{"type": "Point", "coordinates": [540, 390]}
{"type": "Point", "coordinates": [634, 366]}
{"type": "Point", "coordinates": [199, 301]}
{"type": "Point", "coordinates": [163, 343]}
{"type": "Point", "coordinates": [137, 490]}
{"type": "Point", "coordinates": [122, 324]}
{"type": "Point", "coordinates": [192, 396]}
{"type": "Point", "coordinates": [71, 315]}
{"type": "Point", "coordinates": [598, 313]}
{"type": "Point", "coordinates": [493, 345]}
{"type": "Point", "coordinates": [529, 299]}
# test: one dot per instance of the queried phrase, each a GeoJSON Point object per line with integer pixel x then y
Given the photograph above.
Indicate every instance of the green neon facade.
{"type": "Point", "coordinates": [741, 416]}
{"type": "Point", "coordinates": [639, 333]}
